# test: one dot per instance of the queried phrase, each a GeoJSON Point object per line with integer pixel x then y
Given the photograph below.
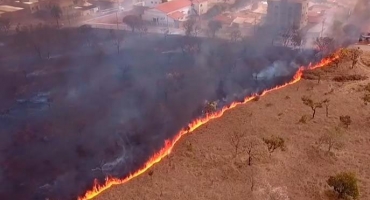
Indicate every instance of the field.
{"type": "Point", "coordinates": [202, 165]}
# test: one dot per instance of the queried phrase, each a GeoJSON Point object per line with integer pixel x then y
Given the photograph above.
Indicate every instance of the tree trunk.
{"type": "Point", "coordinates": [313, 113]}
{"type": "Point", "coordinates": [327, 110]}
{"type": "Point", "coordinates": [57, 22]}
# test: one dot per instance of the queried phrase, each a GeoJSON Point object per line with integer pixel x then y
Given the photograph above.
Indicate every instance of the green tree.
{"type": "Point", "coordinates": [345, 185]}
{"type": "Point", "coordinates": [56, 12]}
{"type": "Point", "coordinates": [214, 26]}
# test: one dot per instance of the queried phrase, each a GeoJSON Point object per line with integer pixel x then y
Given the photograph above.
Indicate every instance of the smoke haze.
{"type": "Point", "coordinates": [92, 113]}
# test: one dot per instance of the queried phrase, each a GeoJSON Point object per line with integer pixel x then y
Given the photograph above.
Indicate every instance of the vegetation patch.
{"type": "Point", "coordinates": [346, 78]}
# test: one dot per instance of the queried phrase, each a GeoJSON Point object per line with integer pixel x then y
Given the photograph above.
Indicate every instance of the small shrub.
{"type": "Point", "coordinates": [346, 78]}
{"type": "Point", "coordinates": [367, 87]}
{"type": "Point", "coordinates": [311, 75]}
{"type": "Point", "coordinates": [274, 143]}
{"type": "Point", "coordinates": [366, 98]}
{"type": "Point", "coordinates": [345, 185]}
{"type": "Point", "coordinates": [189, 146]}
{"type": "Point", "coordinates": [150, 173]}
{"type": "Point", "coordinates": [303, 119]}
{"type": "Point", "coordinates": [345, 120]}
{"type": "Point", "coordinates": [287, 97]}
{"type": "Point", "coordinates": [269, 104]}
{"type": "Point", "coordinates": [257, 98]}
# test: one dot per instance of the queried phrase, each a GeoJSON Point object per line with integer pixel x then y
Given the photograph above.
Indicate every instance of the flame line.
{"type": "Point", "coordinates": [170, 143]}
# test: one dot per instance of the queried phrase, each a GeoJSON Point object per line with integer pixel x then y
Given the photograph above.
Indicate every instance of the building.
{"type": "Point", "coordinates": [173, 12]}
{"type": "Point", "coordinates": [287, 14]}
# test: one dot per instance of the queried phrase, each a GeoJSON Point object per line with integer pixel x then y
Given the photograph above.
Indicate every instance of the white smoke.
{"type": "Point", "coordinates": [277, 69]}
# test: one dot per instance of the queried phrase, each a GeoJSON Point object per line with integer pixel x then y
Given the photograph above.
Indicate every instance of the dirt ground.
{"type": "Point", "coordinates": [202, 164]}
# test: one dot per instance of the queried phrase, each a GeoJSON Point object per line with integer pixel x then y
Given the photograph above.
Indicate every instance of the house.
{"type": "Point", "coordinates": [173, 12]}
{"type": "Point", "coordinates": [287, 14]}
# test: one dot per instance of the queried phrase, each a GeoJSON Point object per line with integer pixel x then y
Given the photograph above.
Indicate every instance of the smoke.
{"type": "Point", "coordinates": [106, 114]}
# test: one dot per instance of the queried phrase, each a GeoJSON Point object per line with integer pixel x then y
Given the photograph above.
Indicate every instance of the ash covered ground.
{"type": "Point", "coordinates": [64, 118]}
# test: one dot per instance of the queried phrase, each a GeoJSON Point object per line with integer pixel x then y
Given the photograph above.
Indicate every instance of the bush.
{"type": "Point", "coordinates": [274, 143]}
{"type": "Point", "coordinates": [345, 78]}
{"type": "Point", "coordinates": [345, 185]}
{"type": "Point", "coordinates": [303, 119]}
{"type": "Point", "coordinates": [346, 120]}
{"type": "Point", "coordinates": [367, 87]}
{"type": "Point", "coordinates": [366, 98]}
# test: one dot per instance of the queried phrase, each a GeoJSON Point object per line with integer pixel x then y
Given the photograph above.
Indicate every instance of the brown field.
{"type": "Point", "coordinates": [202, 164]}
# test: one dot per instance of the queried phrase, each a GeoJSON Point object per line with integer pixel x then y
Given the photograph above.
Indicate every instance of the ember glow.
{"type": "Point", "coordinates": [170, 143]}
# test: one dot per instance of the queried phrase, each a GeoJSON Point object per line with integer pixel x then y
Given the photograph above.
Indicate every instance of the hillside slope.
{"type": "Point", "coordinates": [202, 165]}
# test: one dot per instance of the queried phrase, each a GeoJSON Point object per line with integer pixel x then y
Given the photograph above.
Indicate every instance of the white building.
{"type": "Point", "coordinates": [286, 14]}
{"type": "Point", "coordinates": [173, 12]}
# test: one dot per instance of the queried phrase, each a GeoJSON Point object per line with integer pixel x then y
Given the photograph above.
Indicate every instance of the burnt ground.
{"type": "Point", "coordinates": [63, 117]}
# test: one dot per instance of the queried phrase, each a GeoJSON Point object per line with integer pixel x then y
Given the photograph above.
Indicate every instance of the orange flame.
{"type": "Point", "coordinates": [170, 143]}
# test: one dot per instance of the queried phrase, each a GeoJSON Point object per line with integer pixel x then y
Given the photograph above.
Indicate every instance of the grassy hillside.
{"type": "Point", "coordinates": [203, 166]}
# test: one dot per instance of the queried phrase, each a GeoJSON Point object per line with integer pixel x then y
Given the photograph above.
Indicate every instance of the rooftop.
{"type": "Point", "coordinates": [173, 6]}
{"type": "Point", "coordinates": [176, 15]}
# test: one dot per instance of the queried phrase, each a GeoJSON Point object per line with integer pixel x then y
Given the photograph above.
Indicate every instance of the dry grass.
{"type": "Point", "coordinates": [206, 169]}
{"type": "Point", "coordinates": [352, 77]}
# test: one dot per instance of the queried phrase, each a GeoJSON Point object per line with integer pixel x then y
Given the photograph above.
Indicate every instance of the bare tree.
{"type": "Point", "coordinates": [313, 105]}
{"type": "Point", "coordinates": [251, 150]}
{"type": "Point", "coordinates": [352, 54]}
{"type": "Point", "coordinates": [214, 26]}
{"type": "Point", "coordinates": [236, 141]}
{"type": "Point", "coordinates": [326, 102]}
{"type": "Point", "coordinates": [133, 21]}
{"type": "Point", "coordinates": [56, 12]}
{"type": "Point", "coordinates": [87, 32]}
{"type": "Point", "coordinates": [331, 139]}
{"type": "Point", "coordinates": [324, 44]}
{"type": "Point", "coordinates": [117, 39]}
{"type": "Point", "coordinates": [189, 26]}
{"type": "Point", "coordinates": [4, 25]}
{"type": "Point", "coordinates": [235, 34]}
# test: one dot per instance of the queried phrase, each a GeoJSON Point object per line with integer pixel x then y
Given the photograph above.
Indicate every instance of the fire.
{"type": "Point", "coordinates": [170, 143]}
